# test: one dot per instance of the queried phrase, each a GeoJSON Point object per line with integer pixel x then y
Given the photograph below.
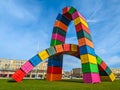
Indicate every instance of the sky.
{"type": "Point", "coordinates": [26, 28]}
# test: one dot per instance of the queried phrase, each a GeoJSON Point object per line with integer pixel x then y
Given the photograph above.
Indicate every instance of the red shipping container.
{"type": "Point", "coordinates": [100, 68]}
{"type": "Point", "coordinates": [65, 10]}
{"type": "Point", "coordinates": [67, 15]}
{"type": "Point", "coordinates": [54, 70]}
{"type": "Point", "coordinates": [66, 47]}
{"type": "Point", "coordinates": [18, 75]}
{"type": "Point", "coordinates": [103, 66]}
{"type": "Point", "coordinates": [80, 26]}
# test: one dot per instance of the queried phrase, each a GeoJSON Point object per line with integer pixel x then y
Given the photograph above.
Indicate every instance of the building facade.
{"type": "Point", "coordinates": [116, 71]}
{"type": "Point", "coordinates": [9, 66]}
{"type": "Point", "coordinates": [76, 72]}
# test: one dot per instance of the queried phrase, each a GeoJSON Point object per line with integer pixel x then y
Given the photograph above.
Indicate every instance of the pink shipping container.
{"type": "Point", "coordinates": [58, 37]}
{"type": "Point", "coordinates": [77, 14]}
{"type": "Point", "coordinates": [27, 67]}
{"type": "Point", "coordinates": [91, 77]}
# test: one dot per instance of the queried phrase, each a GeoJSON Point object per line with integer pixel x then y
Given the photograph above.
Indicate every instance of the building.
{"type": "Point", "coordinates": [76, 72]}
{"type": "Point", "coordinates": [66, 74]}
{"type": "Point", "coordinates": [116, 71]}
{"type": "Point", "coordinates": [9, 66]}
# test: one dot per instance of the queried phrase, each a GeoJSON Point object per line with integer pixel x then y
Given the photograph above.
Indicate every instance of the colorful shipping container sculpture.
{"type": "Point", "coordinates": [93, 67]}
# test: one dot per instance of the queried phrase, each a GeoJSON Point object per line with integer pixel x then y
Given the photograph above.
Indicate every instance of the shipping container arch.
{"type": "Point", "coordinates": [92, 66]}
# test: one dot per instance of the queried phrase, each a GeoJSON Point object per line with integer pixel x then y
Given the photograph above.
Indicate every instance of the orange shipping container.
{"type": "Point", "coordinates": [85, 41]}
{"type": "Point", "coordinates": [59, 48]}
{"type": "Point", "coordinates": [61, 25]}
{"type": "Point", "coordinates": [53, 77]}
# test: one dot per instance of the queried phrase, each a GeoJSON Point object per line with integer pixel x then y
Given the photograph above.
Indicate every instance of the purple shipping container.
{"type": "Point", "coordinates": [77, 14]}
{"type": "Point", "coordinates": [58, 37]}
{"type": "Point", "coordinates": [91, 77]}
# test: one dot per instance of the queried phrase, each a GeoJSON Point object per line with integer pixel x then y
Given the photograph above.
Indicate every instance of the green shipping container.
{"type": "Point", "coordinates": [99, 60]}
{"type": "Point", "coordinates": [51, 51]}
{"type": "Point", "coordinates": [103, 73]}
{"type": "Point", "coordinates": [90, 68]}
{"type": "Point", "coordinates": [72, 10]}
{"type": "Point", "coordinates": [55, 42]}
{"type": "Point", "coordinates": [82, 34]}
{"type": "Point", "coordinates": [59, 31]}
{"type": "Point", "coordinates": [108, 71]}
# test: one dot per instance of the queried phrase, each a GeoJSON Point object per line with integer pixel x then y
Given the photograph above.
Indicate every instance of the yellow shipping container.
{"type": "Point", "coordinates": [43, 54]}
{"type": "Point", "coordinates": [87, 58]}
{"type": "Point", "coordinates": [105, 78]}
{"type": "Point", "coordinates": [74, 48]}
{"type": "Point", "coordinates": [80, 20]}
{"type": "Point", "coordinates": [112, 77]}
{"type": "Point", "coordinates": [70, 53]}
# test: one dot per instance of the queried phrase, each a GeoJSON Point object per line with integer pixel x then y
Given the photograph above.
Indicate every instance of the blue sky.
{"type": "Point", "coordinates": [26, 28]}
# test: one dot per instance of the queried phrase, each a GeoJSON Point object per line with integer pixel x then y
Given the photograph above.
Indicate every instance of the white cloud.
{"type": "Point", "coordinates": [72, 40]}
{"type": "Point", "coordinates": [91, 21]}
{"type": "Point", "coordinates": [114, 61]}
{"type": "Point", "coordinates": [101, 51]}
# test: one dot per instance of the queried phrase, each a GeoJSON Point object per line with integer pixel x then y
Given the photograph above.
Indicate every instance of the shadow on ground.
{"type": "Point", "coordinates": [12, 81]}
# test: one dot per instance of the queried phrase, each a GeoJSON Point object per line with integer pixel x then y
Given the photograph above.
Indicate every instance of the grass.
{"type": "Point", "coordinates": [6, 84]}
